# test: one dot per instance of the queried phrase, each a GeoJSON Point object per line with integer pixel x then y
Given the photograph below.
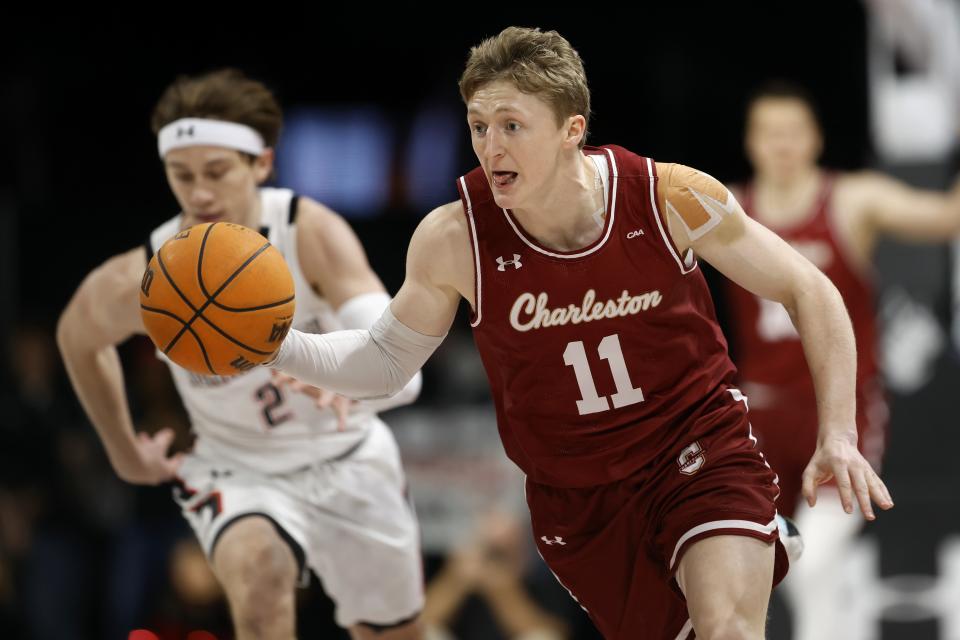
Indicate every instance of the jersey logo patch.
{"type": "Point", "coordinates": [691, 459]}
{"type": "Point", "coordinates": [634, 234]}
{"type": "Point", "coordinates": [502, 264]}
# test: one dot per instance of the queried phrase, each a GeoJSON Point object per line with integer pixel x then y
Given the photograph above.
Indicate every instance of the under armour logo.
{"type": "Point", "coordinates": [185, 132]}
{"type": "Point", "coordinates": [502, 264]}
{"type": "Point", "coordinates": [556, 540]}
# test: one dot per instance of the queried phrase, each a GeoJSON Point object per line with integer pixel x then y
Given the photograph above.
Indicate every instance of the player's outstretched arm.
{"type": "Point", "coordinates": [704, 216]}
{"type": "Point", "coordinates": [885, 206]}
{"type": "Point", "coordinates": [335, 264]}
{"type": "Point", "coordinates": [380, 361]}
{"type": "Point", "coordinates": [104, 312]}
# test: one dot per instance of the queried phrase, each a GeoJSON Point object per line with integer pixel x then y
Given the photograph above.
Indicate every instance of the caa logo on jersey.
{"type": "Point", "coordinates": [634, 234]}
{"type": "Point", "coordinates": [691, 459]}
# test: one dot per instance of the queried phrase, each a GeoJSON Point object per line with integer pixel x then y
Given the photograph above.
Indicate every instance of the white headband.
{"type": "Point", "coordinates": [191, 132]}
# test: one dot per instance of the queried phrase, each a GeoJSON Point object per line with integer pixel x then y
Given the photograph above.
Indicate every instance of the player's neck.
{"type": "Point", "coordinates": [254, 213]}
{"type": "Point", "coordinates": [783, 201]}
{"type": "Point", "coordinates": [562, 215]}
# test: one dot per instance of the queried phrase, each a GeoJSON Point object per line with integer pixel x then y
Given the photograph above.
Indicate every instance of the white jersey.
{"type": "Point", "coordinates": [246, 418]}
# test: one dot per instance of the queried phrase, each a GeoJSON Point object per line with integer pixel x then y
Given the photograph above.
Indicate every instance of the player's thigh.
{"type": "Point", "coordinates": [727, 580]}
{"type": "Point", "coordinates": [366, 542]}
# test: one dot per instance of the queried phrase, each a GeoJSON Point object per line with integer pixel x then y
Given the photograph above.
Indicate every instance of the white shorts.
{"type": "Point", "coordinates": [347, 519]}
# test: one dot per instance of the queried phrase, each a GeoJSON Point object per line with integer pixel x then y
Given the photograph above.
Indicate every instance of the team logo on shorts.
{"type": "Point", "coordinates": [691, 459]}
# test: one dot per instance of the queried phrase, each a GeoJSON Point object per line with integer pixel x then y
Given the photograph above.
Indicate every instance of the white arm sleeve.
{"type": "Point", "coordinates": [361, 312]}
{"type": "Point", "coordinates": [358, 364]}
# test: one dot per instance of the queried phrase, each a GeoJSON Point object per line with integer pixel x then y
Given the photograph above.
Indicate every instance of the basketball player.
{"type": "Point", "coordinates": [834, 220]}
{"type": "Point", "coordinates": [273, 486]}
{"type": "Point", "coordinates": [613, 388]}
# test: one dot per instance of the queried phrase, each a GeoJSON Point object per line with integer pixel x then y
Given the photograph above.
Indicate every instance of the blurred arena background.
{"type": "Point", "coordinates": [375, 128]}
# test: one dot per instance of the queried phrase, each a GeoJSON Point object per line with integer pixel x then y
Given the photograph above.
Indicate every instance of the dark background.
{"type": "Point", "coordinates": [80, 179]}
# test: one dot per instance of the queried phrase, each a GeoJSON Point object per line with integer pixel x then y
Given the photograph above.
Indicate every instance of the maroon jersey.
{"type": "Point", "coordinates": [603, 359]}
{"type": "Point", "coordinates": [768, 347]}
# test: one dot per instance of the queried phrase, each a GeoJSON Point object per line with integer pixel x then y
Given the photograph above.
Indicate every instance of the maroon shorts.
{"type": "Point", "coordinates": [615, 547]}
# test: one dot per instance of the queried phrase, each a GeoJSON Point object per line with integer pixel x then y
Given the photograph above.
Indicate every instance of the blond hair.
{"type": "Point", "coordinates": [541, 63]}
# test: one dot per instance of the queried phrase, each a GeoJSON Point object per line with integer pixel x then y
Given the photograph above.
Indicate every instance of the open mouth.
{"type": "Point", "coordinates": [504, 178]}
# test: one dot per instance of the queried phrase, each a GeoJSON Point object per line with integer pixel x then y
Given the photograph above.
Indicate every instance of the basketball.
{"type": "Point", "coordinates": [217, 299]}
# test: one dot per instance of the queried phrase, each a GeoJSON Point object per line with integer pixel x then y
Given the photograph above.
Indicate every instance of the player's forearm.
{"type": "Point", "coordinates": [97, 378]}
{"type": "Point", "coordinates": [346, 362]}
{"type": "Point", "coordinates": [358, 364]}
{"type": "Point", "coordinates": [407, 395]}
{"type": "Point", "coordinates": [518, 614]}
{"type": "Point", "coordinates": [828, 343]}
{"type": "Point", "coordinates": [444, 597]}
{"type": "Point", "coordinates": [362, 311]}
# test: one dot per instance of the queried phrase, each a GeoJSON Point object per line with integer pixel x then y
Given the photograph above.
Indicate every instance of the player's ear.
{"type": "Point", "coordinates": [263, 165]}
{"type": "Point", "coordinates": [819, 135]}
{"type": "Point", "coordinates": [575, 128]}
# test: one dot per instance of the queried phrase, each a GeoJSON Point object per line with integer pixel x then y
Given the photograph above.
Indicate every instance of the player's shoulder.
{"type": "Point", "coordinates": [854, 192]}
{"type": "Point", "coordinates": [694, 197]}
{"type": "Point", "coordinates": [313, 216]}
{"type": "Point", "coordinates": [441, 246]}
{"type": "Point", "coordinates": [319, 227]}
{"type": "Point", "coordinates": [627, 163]}
{"type": "Point", "coordinates": [677, 175]}
{"type": "Point", "coordinates": [682, 183]}
{"type": "Point", "coordinates": [115, 283]}
{"type": "Point", "coordinates": [124, 268]}
{"type": "Point", "coordinates": [446, 222]}
{"type": "Point", "coordinates": [863, 181]}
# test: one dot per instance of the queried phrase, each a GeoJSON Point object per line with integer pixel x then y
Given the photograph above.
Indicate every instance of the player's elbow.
{"type": "Point", "coordinates": [809, 288]}
{"type": "Point", "coordinates": [67, 328]}
{"type": "Point", "coordinates": [815, 290]}
{"type": "Point", "coordinates": [410, 391]}
{"type": "Point", "coordinates": [395, 385]}
{"type": "Point", "coordinates": [79, 328]}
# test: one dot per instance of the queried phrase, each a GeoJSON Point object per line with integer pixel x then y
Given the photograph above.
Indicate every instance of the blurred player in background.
{"type": "Point", "coordinates": [834, 220]}
{"type": "Point", "coordinates": [275, 485]}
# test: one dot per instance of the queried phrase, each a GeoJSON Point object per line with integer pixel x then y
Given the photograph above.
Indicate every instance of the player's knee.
{"type": "Point", "coordinates": [259, 577]}
{"type": "Point", "coordinates": [730, 627]}
{"type": "Point", "coordinates": [265, 603]}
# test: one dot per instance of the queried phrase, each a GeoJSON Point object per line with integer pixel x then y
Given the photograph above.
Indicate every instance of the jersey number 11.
{"type": "Point", "coordinates": [576, 356]}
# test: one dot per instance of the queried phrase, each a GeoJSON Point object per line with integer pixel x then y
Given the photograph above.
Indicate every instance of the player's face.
{"type": "Point", "coordinates": [783, 139]}
{"type": "Point", "coordinates": [216, 184]}
{"type": "Point", "coordinates": [517, 140]}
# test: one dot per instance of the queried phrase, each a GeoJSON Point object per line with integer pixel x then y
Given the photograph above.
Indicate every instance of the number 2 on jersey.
{"type": "Point", "coordinates": [271, 399]}
{"type": "Point", "coordinates": [575, 355]}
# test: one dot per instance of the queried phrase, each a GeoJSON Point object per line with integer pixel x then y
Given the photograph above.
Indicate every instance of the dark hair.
{"type": "Point", "coordinates": [225, 94]}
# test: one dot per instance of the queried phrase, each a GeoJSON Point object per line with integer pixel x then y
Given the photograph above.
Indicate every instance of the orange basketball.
{"type": "Point", "coordinates": [217, 299]}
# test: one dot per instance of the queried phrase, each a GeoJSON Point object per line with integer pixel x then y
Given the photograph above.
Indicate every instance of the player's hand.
{"type": "Point", "coordinates": [324, 399]}
{"type": "Point", "coordinates": [838, 457]}
{"type": "Point", "coordinates": [151, 464]}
